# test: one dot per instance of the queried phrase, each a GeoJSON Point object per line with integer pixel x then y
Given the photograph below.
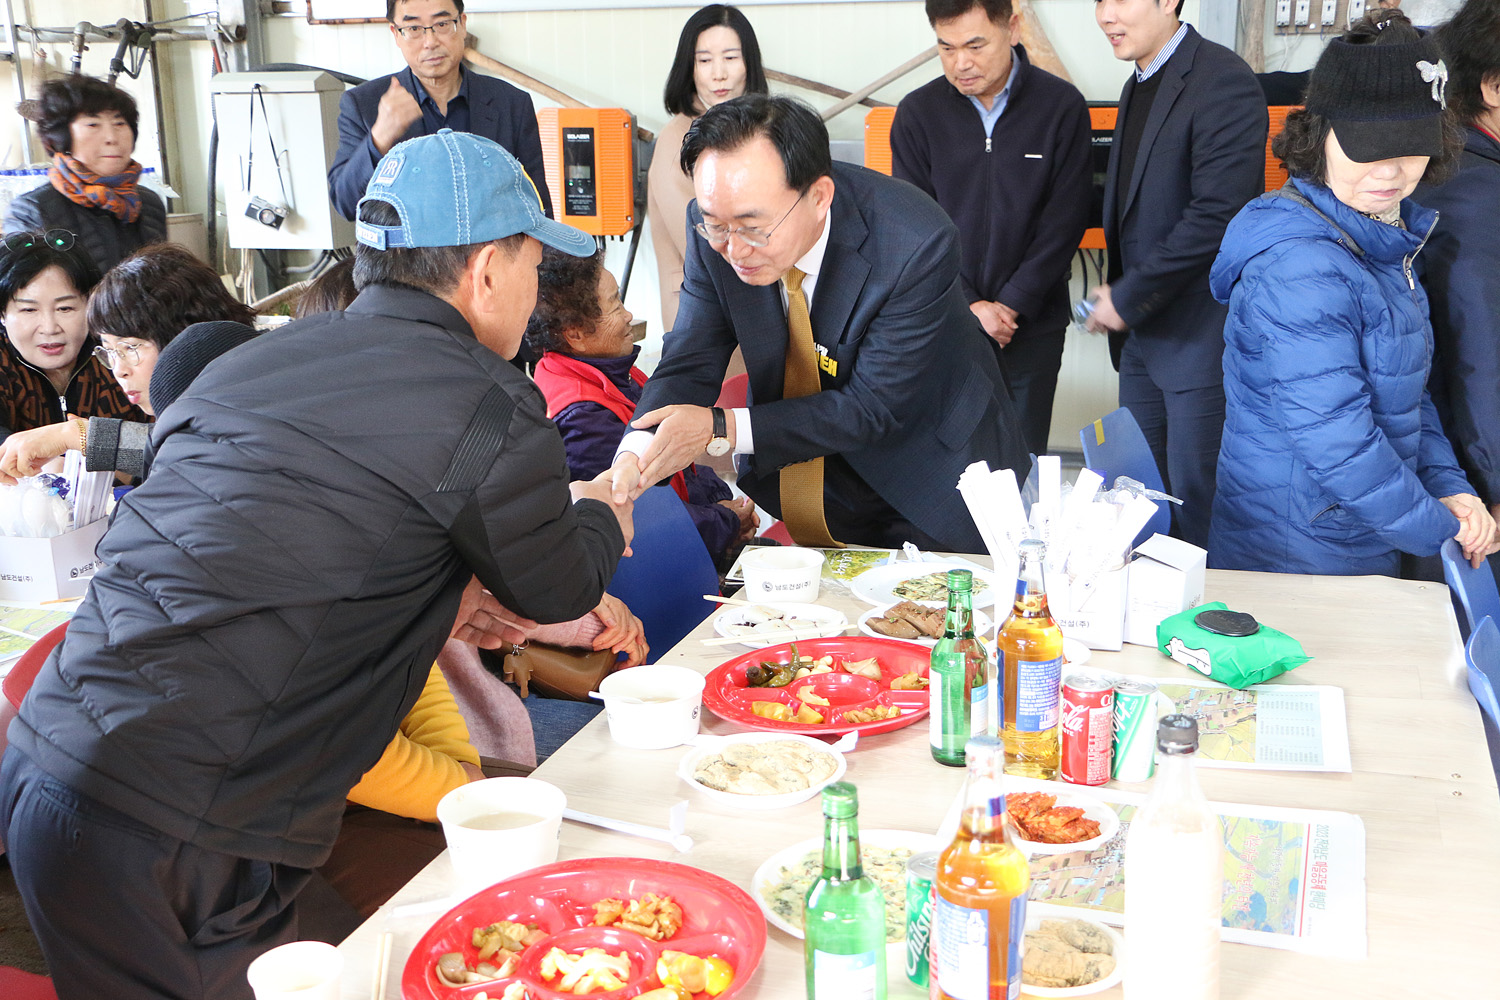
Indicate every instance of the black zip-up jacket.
{"type": "Point", "coordinates": [106, 238]}
{"type": "Point", "coordinates": [271, 600]}
{"type": "Point", "coordinates": [1020, 196]}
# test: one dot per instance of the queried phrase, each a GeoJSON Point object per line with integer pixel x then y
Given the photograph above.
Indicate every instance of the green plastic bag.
{"type": "Point", "coordinates": [1236, 660]}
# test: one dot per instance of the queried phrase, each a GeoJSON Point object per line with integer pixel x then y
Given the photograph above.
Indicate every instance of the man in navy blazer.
{"type": "Point", "coordinates": [1188, 153]}
{"type": "Point", "coordinates": [434, 92]}
{"type": "Point", "coordinates": [909, 386]}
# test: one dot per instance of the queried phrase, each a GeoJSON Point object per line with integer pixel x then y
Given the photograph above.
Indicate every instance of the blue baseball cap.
{"type": "Point", "coordinates": [455, 188]}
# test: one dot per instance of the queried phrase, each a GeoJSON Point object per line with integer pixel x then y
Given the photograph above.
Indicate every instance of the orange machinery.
{"type": "Point", "coordinates": [1102, 120]}
{"type": "Point", "coordinates": [590, 160]}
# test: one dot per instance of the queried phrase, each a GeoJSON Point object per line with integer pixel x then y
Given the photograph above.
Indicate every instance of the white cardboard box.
{"type": "Point", "coordinates": [1096, 619]}
{"type": "Point", "coordinates": [1166, 577]}
{"type": "Point", "coordinates": [44, 569]}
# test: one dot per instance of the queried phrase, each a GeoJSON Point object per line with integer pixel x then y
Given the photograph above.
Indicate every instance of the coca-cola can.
{"type": "Point", "coordinates": [1088, 729]}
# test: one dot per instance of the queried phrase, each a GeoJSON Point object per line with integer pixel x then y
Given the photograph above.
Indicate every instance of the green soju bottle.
{"type": "Point", "coordinates": [844, 913]}
{"type": "Point", "coordinates": [957, 676]}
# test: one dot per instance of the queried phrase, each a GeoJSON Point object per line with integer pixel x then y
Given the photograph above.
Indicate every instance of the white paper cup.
{"type": "Point", "coordinates": [653, 707]}
{"type": "Point", "coordinates": [781, 573]}
{"type": "Point", "coordinates": [302, 970]}
{"type": "Point", "coordinates": [498, 827]}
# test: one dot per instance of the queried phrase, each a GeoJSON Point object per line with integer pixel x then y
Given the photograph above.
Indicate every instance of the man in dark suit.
{"type": "Point", "coordinates": [1188, 153]}
{"type": "Point", "coordinates": [872, 385]}
{"type": "Point", "coordinates": [433, 92]}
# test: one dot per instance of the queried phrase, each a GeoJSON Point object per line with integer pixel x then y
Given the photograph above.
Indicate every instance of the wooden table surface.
{"type": "Point", "coordinates": [1421, 782]}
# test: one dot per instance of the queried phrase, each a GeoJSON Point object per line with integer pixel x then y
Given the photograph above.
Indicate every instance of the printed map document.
{"type": "Point", "coordinates": [1273, 727]}
{"type": "Point", "coordinates": [23, 624]}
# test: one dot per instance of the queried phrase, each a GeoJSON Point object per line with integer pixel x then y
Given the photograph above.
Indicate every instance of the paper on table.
{"type": "Point", "coordinates": [1266, 727]}
{"type": "Point", "coordinates": [1293, 878]}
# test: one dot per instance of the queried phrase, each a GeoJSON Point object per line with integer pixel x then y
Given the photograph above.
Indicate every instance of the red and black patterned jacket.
{"type": "Point", "coordinates": [27, 398]}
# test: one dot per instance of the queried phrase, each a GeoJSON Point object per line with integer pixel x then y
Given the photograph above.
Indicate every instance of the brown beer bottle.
{"type": "Point", "coordinates": [1031, 657]}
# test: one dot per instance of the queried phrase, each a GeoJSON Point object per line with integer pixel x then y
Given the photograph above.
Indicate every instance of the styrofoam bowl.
{"type": "Point", "coordinates": [782, 573]}
{"type": "Point", "coordinates": [708, 746]}
{"type": "Point", "coordinates": [653, 707]}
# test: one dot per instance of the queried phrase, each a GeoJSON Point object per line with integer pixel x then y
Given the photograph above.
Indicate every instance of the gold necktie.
{"type": "Point", "coordinates": [802, 483]}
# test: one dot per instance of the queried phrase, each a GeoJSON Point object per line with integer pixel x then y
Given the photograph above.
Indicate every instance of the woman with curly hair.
{"type": "Point", "coordinates": [587, 374]}
{"type": "Point", "coordinates": [1332, 460]}
{"type": "Point", "coordinates": [90, 128]}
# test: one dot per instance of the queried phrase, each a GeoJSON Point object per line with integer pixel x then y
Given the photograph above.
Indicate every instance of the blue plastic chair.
{"type": "Point", "coordinates": [1114, 446]}
{"type": "Point", "coordinates": [663, 583]}
{"type": "Point", "coordinates": [1473, 589]}
{"type": "Point", "coordinates": [1483, 654]}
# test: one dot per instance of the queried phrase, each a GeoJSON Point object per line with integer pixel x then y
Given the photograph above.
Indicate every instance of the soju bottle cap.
{"type": "Point", "coordinates": [960, 579]}
{"type": "Point", "coordinates": [982, 747]}
{"type": "Point", "coordinates": [840, 800]}
{"type": "Point", "coordinates": [1033, 547]}
{"type": "Point", "coordinates": [1177, 734]}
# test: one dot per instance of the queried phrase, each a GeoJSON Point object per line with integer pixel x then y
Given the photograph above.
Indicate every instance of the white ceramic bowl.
{"type": "Point", "coordinates": [781, 573]}
{"type": "Point", "coordinates": [712, 745]}
{"type": "Point", "coordinates": [653, 707]}
{"type": "Point", "coordinates": [1034, 920]}
{"type": "Point", "coordinates": [1093, 807]}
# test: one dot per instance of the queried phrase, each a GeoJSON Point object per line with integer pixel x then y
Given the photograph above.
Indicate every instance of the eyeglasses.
{"type": "Point", "coordinates": [749, 235]}
{"type": "Point", "coordinates": [442, 29]}
{"type": "Point", "coordinates": [125, 352]}
{"type": "Point", "coordinates": [57, 239]}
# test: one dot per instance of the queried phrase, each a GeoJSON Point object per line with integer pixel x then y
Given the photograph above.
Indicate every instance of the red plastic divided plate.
{"type": "Point", "coordinates": [719, 919]}
{"type": "Point", "coordinates": [727, 695]}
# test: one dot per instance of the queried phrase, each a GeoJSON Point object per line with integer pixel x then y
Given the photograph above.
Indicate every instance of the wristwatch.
{"type": "Point", "coordinates": [719, 443]}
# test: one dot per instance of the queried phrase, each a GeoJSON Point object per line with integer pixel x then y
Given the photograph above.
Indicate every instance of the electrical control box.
{"type": "Point", "coordinates": [278, 133]}
{"type": "Point", "coordinates": [878, 139]}
{"type": "Point", "coordinates": [590, 159]}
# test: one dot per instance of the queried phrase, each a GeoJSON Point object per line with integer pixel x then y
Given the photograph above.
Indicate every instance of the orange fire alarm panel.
{"type": "Point", "coordinates": [590, 167]}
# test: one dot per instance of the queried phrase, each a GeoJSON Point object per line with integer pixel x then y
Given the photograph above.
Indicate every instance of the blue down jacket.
{"type": "Point", "coordinates": [1332, 456]}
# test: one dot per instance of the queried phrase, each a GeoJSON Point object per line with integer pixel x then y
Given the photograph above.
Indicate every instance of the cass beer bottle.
{"type": "Point", "coordinates": [980, 888]}
{"type": "Point", "coordinates": [957, 669]}
{"type": "Point", "coordinates": [1030, 647]}
{"type": "Point", "coordinates": [844, 913]}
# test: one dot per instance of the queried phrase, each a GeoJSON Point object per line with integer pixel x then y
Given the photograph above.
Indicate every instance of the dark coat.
{"type": "Point", "coordinates": [1461, 272]}
{"type": "Point", "coordinates": [1201, 158]}
{"type": "Point", "coordinates": [591, 433]}
{"type": "Point", "coordinates": [271, 600]}
{"type": "Point", "coordinates": [1332, 457]}
{"type": "Point", "coordinates": [497, 111]}
{"type": "Point", "coordinates": [107, 239]}
{"type": "Point", "coordinates": [917, 395]}
{"type": "Point", "coordinates": [1019, 196]}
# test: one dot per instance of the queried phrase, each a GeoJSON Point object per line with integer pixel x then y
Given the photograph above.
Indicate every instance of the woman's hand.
{"type": "Point", "coordinates": [1476, 528]}
{"type": "Point", "coordinates": [623, 631]}
{"type": "Point", "coordinates": [25, 452]}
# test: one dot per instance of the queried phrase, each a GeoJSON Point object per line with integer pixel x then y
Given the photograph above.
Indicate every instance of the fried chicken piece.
{"type": "Point", "coordinates": [651, 916]}
{"type": "Point", "coordinates": [909, 682]}
{"type": "Point", "coordinates": [874, 713]}
{"type": "Point", "coordinates": [608, 911]}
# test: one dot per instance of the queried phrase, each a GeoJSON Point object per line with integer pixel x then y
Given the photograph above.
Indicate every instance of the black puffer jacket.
{"type": "Point", "coordinates": [107, 239]}
{"type": "Point", "coordinates": [272, 598]}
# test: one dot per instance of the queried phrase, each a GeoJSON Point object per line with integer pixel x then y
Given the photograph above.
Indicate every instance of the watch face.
{"type": "Point", "coordinates": [718, 446]}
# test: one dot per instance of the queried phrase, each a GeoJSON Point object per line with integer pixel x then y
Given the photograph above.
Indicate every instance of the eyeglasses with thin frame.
{"type": "Point", "coordinates": [749, 235]}
{"type": "Point", "coordinates": [442, 29]}
{"type": "Point", "coordinates": [57, 239]}
{"type": "Point", "coordinates": [125, 352]}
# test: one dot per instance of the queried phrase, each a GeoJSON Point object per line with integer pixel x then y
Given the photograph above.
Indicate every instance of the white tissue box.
{"type": "Point", "coordinates": [1166, 577]}
{"type": "Point", "coordinates": [1097, 618]}
{"type": "Point", "coordinates": [45, 569]}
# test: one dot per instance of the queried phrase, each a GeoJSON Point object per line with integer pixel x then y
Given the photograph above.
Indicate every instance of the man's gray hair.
{"type": "Point", "coordinates": [427, 269]}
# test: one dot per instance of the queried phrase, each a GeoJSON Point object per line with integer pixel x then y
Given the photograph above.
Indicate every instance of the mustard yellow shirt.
{"type": "Point", "coordinates": [421, 764]}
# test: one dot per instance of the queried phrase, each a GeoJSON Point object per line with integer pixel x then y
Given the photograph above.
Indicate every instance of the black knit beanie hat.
{"type": "Point", "coordinates": [1383, 100]}
{"type": "Point", "coordinates": [188, 353]}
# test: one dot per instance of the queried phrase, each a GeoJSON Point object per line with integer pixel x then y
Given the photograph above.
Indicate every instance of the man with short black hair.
{"type": "Point", "coordinates": [433, 92]}
{"type": "Point", "coordinates": [1188, 153]}
{"type": "Point", "coordinates": [1004, 147]}
{"type": "Point", "coordinates": [872, 385]}
{"type": "Point", "coordinates": [271, 599]}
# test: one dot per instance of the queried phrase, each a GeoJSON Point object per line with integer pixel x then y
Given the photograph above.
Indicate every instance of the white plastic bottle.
{"type": "Point", "coordinates": [1174, 879]}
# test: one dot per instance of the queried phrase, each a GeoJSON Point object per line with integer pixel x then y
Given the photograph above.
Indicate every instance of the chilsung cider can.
{"type": "Point", "coordinates": [1135, 730]}
{"type": "Point", "coordinates": [921, 869]}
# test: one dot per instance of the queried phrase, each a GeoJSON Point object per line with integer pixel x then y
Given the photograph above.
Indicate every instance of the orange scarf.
{"type": "Point", "coordinates": [117, 195]}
